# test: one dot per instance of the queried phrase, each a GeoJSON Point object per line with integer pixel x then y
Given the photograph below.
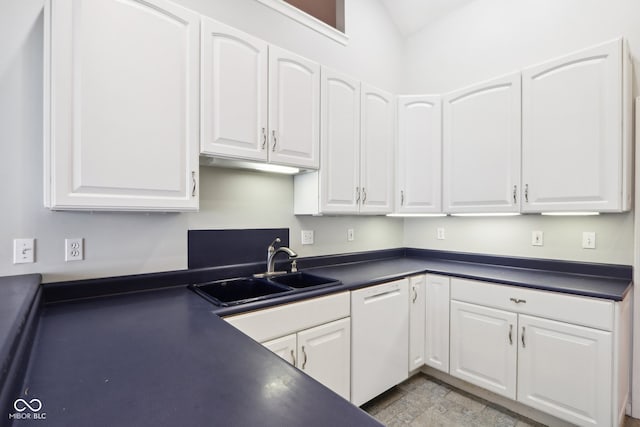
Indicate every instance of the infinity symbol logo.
{"type": "Point", "coordinates": [37, 405]}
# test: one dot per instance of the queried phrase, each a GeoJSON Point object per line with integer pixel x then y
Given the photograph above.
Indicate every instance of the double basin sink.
{"type": "Point", "coordinates": [225, 293]}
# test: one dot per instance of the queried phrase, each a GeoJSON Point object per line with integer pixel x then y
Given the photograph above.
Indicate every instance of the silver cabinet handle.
{"type": "Point", "coordinates": [264, 138]}
{"type": "Point", "coordinates": [193, 183]}
{"type": "Point", "coordinates": [293, 358]}
{"type": "Point", "coordinates": [415, 294]}
{"type": "Point", "coordinates": [526, 193]}
{"type": "Point", "coordinates": [357, 194]}
{"type": "Point", "coordinates": [401, 197]}
{"type": "Point", "coordinates": [518, 301]}
{"type": "Point", "coordinates": [275, 140]}
{"type": "Point", "coordinates": [364, 195]}
{"type": "Point", "coordinates": [510, 336]}
{"type": "Point", "coordinates": [304, 362]}
{"type": "Point", "coordinates": [515, 194]}
{"type": "Point", "coordinates": [523, 344]}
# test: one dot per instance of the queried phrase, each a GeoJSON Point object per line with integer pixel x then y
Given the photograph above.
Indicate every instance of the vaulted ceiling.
{"type": "Point", "coordinates": [411, 16]}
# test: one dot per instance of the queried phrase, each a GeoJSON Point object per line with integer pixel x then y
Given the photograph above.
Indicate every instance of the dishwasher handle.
{"type": "Point", "coordinates": [382, 293]}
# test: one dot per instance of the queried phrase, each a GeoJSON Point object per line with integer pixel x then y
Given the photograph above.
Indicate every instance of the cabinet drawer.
{"type": "Point", "coordinates": [270, 323]}
{"type": "Point", "coordinates": [591, 312]}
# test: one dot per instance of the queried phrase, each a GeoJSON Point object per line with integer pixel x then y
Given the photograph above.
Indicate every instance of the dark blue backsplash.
{"type": "Point", "coordinates": [213, 248]}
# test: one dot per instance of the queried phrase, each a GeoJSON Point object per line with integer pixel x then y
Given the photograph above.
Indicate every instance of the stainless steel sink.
{"type": "Point", "coordinates": [301, 280]}
{"type": "Point", "coordinates": [239, 291]}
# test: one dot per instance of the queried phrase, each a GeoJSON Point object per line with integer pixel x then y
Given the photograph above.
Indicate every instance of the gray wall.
{"type": "Point", "coordinates": [488, 38]}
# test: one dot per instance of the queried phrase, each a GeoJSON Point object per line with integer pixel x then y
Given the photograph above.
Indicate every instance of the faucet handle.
{"type": "Point", "coordinates": [277, 240]}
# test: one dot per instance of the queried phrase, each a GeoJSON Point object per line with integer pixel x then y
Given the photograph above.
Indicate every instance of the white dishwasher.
{"type": "Point", "coordinates": [379, 339]}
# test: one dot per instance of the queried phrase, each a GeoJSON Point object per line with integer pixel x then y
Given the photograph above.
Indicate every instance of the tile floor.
{"type": "Point", "coordinates": [424, 401]}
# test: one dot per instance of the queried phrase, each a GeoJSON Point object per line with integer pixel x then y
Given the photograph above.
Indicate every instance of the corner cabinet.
{"type": "Point", "coordinates": [436, 341]}
{"type": "Point", "coordinates": [564, 355]}
{"type": "Point", "coordinates": [121, 105]}
{"type": "Point", "coordinates": [481, 147]}
{"type": "Point", "coordinates": [576, 132]}
{"type": "Point", "coordinates": [417, 324]}
{"type": "Point", "coordinates": [259, 102]}
{"type": "Point", "coordinates": [419, 159]}
{"type": "Point", "coordinates": [356, 173]}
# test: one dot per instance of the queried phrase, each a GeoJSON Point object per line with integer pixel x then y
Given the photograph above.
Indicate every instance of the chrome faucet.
{"type": "Point", "coordinates": [271, 254]}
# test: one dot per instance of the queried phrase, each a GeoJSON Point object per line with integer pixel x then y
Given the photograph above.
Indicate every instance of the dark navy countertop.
{"type": "Point", "coordinates": [147, 351]}
{"type": "Point", "coordinates": [162, 358]}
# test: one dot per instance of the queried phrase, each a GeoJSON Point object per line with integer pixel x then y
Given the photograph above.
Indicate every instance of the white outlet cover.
{"type": "Point", "coordinates": [74, 249]}
{"type": "Point", "coordinates": [440, 233]}
{"type": "Point", "coordinates": [306, 237]}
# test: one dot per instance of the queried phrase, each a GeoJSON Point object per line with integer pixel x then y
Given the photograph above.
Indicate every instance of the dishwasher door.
{"type": "Point", "coordinates": [379, 339]}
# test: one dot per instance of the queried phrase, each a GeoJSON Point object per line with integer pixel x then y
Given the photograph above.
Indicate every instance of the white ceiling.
{"type": "Point", "coordinates": [411, 16]}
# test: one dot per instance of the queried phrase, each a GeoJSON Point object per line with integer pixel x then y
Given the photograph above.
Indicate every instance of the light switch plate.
{"type": "Point", "coordinates": [537, 238]}
{"type": "Point", "coordinates": [589, 240]}
{"type": "Point", "coordinates": [440, 233]}
{"type": "Point", "coordinates": [23, 251]}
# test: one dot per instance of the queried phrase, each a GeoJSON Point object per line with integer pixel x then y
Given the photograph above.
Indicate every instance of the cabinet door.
{"type": "Point", "coordinates": [481, 147]}
{"type": "Point", "coordinates": [121, 105]}
{"type": "Point", "coordinates": [418, 171]}
{"type": "Point", "coordinates": [565, 370]}
{"type": "Point", "coordinates": [324, 352]}
{"type": "Point", "coordinates": [572, 127]}
{"type": "Point", "coordinates": [483, 347]}
{"type": "Point", "coordinates": [234, 93]}
{"type": "Point", "coordinates": [340, 148]}
{"type": "Point", "coordinates": [416, 321]}
{"type": "Point", "coordinates": [436, 345]}
{"type": "Point", "coordinates": [377, 145]}
{"type": "Point", "coordinates": [285, 347]}
{"type": "Point", "coordinates": [294, 109]}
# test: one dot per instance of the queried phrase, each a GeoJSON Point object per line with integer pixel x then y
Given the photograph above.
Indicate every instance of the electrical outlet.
{"type": "Point", "coordinates": [440, 233]}
{"type": "Point", "coordinates": [351, 236]}
{"type": "Point", "coordinates": [589, 240]}
{"type": "Point", "coordinates": [23, 251]}
{"type": "Point", "coordinates": [307, 237]}
{"type": "Point", "coordinates": [537, 238]}
{"type": "Point", "coordinates": [74, 249]}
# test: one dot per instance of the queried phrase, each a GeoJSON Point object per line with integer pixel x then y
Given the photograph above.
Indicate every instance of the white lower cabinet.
{"type": "Point", "coordinates": [314, 335]}
{"type": "Point", "coordinates": [436, 340]}
{"type": "Point", "coordinates": [571, 363]}
{"type": "Point", "coordinates": [565, 370]}
{"type": "Point", "coordinates": [323, 352]}
{"type": "Point", "coordinates": [417, 324]}
{"type": "Point", "coordinates": [483, 351]}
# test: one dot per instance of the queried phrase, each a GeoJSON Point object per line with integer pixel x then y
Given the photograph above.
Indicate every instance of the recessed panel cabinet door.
{"type": "Point", "coordinates": [419, 177]}
{"type": "Point", "coordinates": [481, 147]}
{"type": "Point", "coordinates": [340, 158]}
{"type": "Point", "coordinates": [324, 352]}
{"type": "Point", "coordinates": [417, 323]}
{"type": "Point", "coordinates": [234, 93]}
{"type": "Point", "coordinates": [121, 105]}
{"type": "Point", "coordinates": [285, 347]}
{"type": "Point", "coordinates": [565, 370]}
{"type": "Point", "coordinates": [484, 347]}
{"type": "Point", "coordinates": [572, 132]}
{"type": "Point", "coordinates": [377, 150]}
{"type": "Point", "coordinates": [436, 345]}
{"type": "Point", "coordinates": [294, 109]}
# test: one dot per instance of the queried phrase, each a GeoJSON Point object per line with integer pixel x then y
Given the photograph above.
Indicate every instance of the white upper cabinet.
{"type": "Point", "coordinates": [121, 105]}
{"type": "Point", "coordinates": [418, 167]}
{"type": "Point", "coordinates": [481, 147]}
{"type": "Point", "coordinates": [377, 150]}
{"type": "Point", "coordinates": [576, 132]}
{"type": "Point", "coordinates": [234, 93]}
{"type": "Point", "coordinates": [340, 158]}
{"type": "Point", "coordinates": [356, 173]}
{"type": "Point", "coordinates": [259, 102]}
{"type": "Point", "coordinates": [294, 109]}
